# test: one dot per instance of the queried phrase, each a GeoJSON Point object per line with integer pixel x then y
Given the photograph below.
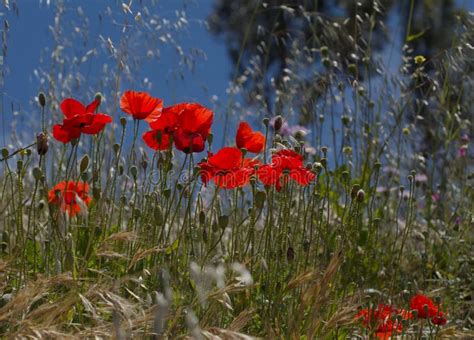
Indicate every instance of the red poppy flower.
{"type": "Point", "coordinates": [141, 105]}
{"type": "Point", "coordinates": [228, 168]}
{"type": "Point", "coordinates": [79, 119]}
{"type": "Point", "coordinates": [70, 196]}
{"type": "Point", "coordinates": [194, 125]}
{"type": "Point", "coordinates": [285, 164]}
{"type": "Point", "coordinates": [188, 123]}
{"type": "Point", "coordinates": [418, 303]}
{"type": "Point", "coordinates": [163, 128]}
{"type": "Point", "coordinates": [381, 321]}
{"type": "Point", "coordinates": [248, 139]}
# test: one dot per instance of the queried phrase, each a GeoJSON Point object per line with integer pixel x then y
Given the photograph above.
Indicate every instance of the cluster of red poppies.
{"type": "Point", "coordinates": [187, 126]}
{"type": "Point", "coordinates": [384, 320]}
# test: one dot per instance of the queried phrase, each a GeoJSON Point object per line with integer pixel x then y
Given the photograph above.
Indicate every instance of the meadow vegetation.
{"type": "Point", "coordinates": [339, 208]}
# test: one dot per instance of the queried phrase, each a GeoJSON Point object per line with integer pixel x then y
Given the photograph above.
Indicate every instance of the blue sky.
{"type": "Point", "coordinates": [29, 34]}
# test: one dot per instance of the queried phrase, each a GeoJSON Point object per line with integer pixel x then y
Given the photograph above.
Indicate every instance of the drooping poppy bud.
{"type": "Point", "coordinates": [42, 144]}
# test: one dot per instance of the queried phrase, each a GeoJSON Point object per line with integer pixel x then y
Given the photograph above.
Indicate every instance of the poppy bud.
{"type": "Point", "coordinates": [158, 215]}
{"type": "Point", "coordinates": [144, 164]}
{"type": "Point", "coordinates": [360, 196]}
{"type": "Point", "coordinates": [377, 165]}
{"type": "Point", "coordinates": [278, 123]}
{"type": "Point", "coordinates": [277, 139]}
{"type": "Point", "coordinates": [347, 150]}
{"type": "Point", "coordinates": [123, 121]}
{"type": "Point", "coordinates": [116, 147]}
{"type": "Point", "coordinates": [324, 51]}
{"type": "Point", "coordinates": [210, 138]}
{"type": "Point", "coordinates": [352, 68]}
{"type": "Point", "coordinates": [19, 165]}
{"type": "Point", "coordinates": [290, 254]}
{"type": "Point", "coordinates": [324, 150]}
{"type": "Point", "coordinates": [42, 143]}
{"type": "Point", "coordinates": [317, 167]}
{"type": "Point", "coordinates": [42, 99]}
{"type": "Point", "coordinates": [265, 121]}
{"type": "Point", "coordinates": [354, 190]}
{"type": "Point", "coordinates": [5, 153]}
{"type": "Point", "coordinates": [260, 197]}
{"type": "Point", "coordinates": [37, 173]}
{"type": "Point", "coordinates": [346, 120]}
{"type": "Point", "coordinates": [202, 217]}
{"type": "Point", "coordinates": [120, 169]}
{"type": "Point", "coordinates": [98, 96]}
{"type": "Point", "coordinates": [223, 221]}
{"type": "Point", "coordinates": [96, 193]}
{"type": "Point", "coordinates": [134, 171]}
{"type": "Point", "coordinates": [84, 164]}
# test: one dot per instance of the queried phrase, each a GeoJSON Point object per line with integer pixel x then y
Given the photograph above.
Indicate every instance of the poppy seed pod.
{"type": "Point", "coordinates": [123, 121]}
{"type": "Point", "coordinates": [278, 123]}
{"type": "Point", "coordinates": [265, 121]}
{"type": "Point", "coordinates": [360, 196]}
{"type": "Point", "coordinates": [42, 143]}
{"type": "Point", "coordinates": [42, 99]}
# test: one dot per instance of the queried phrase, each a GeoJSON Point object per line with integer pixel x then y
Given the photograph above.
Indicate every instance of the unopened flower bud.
{"type": "Point", "coordinates": [42, 143]}
{"type": "Point", "coordinates": [223, 221]}
{"type": "Point", "coordinates": [210, 138]}
{"type": "Point", "coordinates": [98, 96]}
{"type": "Point", "coordinates": [123, 121]}
{"type": "Point", "coordinates": [5, 153]}
{"type": "Point", "coordinates": [324, 150]}
{"type": "Point", "coordinates": [265, 121]}
{"type": "Point", "coordinates": [324, 51]}
{"type": "Point", "coordinates": [278, 123]}
{"type": "Point", "coordinates": [42, 99]}
{"type": "Point", "coordinates": [354, 190]}
{"type": "Point", "coordinates": [360, 196]}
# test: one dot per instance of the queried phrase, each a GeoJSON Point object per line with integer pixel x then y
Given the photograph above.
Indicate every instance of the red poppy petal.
{"type": "Point", "coordinates": [139, 104]}
{"type": "Point", "coordinates": [151, 139]}
{"type": "Point", "coordinates": [193, 117]}
{"type": "Point", "coordinates": [302, 176]}
{"type": "Point", "coordinates": [189, 142]}
{"type": "Point", "coordinates": [226, 158]}
{"type": "Point", "coordinates": [269, 175]}
{"type": "Point", "coordinates": [61, 134]}
{"type": "Point", "coordinates": [155, 114]}
{"type": "Point", "coordinates": [92, 107]}
{"type": "Point", "coordinates": [98, 123]}
{"type": "Point", "coordinates": [71, 107]}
